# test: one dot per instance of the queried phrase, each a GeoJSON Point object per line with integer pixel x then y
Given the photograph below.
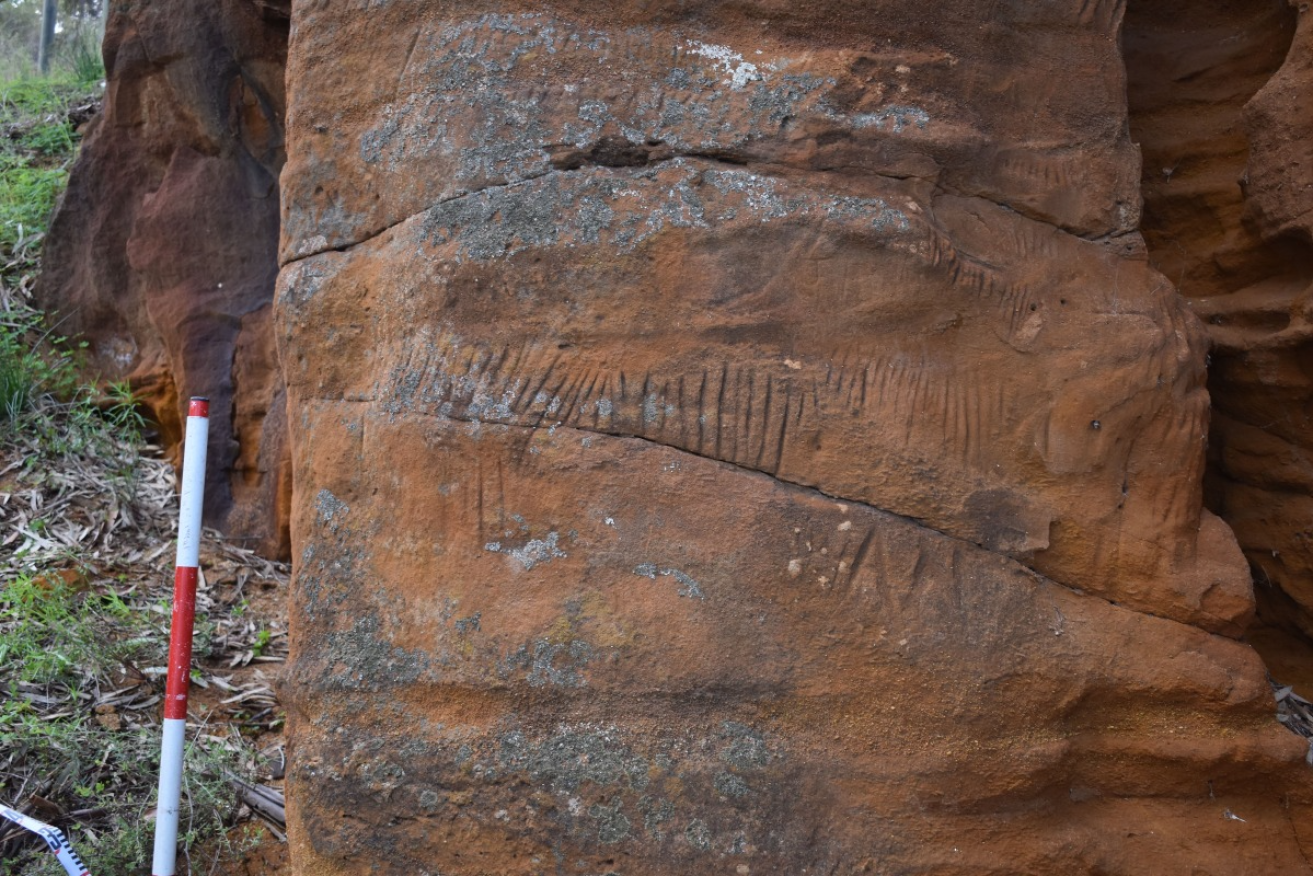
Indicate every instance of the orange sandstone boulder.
{"type": "Point", "coordinates": [163, 251]}
{"type": "Point", "coordinates": [750, 438]}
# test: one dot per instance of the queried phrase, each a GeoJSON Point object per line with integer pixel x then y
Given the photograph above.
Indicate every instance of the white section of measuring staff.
{"type": "Point", "coordinates": [166, 812]}
{"type": "Point", "coordinates": [193, 490]}
{"type": "Point", "coordinates": [54, 839]}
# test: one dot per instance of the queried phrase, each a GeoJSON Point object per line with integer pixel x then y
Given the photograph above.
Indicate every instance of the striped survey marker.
{"type": "Point", "coordinates": [54, 838]}
{"type": "Point", "coordinates": [184, 614]}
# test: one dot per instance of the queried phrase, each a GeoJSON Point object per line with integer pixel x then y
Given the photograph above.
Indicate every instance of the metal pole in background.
{"type": "Point", "coordinates": [184, 614]}
{"type": "Point", "coordinates": [49, 12]}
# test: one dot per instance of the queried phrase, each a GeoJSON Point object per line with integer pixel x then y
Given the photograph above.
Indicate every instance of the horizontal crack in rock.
{"type": "Point", "coordinates": [920, 524]}
{"type": "Point", "coordinates": [617, 153]}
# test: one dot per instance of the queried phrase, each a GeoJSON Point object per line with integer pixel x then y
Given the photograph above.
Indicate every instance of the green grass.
{"type": "Point", "coordinates": [34, 98]}
{"type": "Point", "coordinates": [66, 645]}
{"type": "Point", "coordinates": [27, 196]}
{"type": "Point", "coordinates": [55, 636]}
{"type": "Point", "coordinates": [16, 378]}
{"type": "Point", "coordinates": [32, 363]}
{"type": "Point", "coordinates": [38, 366]}
{"type": "Point", "coordinates": [71, 637]}
{"type": "Point", "coordinates": [37, 147]}
{"type": "Point", "coordinates": [34, 161]}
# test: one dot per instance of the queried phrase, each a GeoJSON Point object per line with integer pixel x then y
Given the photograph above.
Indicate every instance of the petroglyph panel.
{"type": "Point", "coordinates": [853, 343]}
{"type": "Point", "coordinates": [723, 428]}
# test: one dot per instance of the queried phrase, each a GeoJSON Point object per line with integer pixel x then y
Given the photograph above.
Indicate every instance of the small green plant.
{"type": "Point", "coordinates": [36, 97]}
{"type": "Point", "coordinates": [27, 196]}
{"type": "Point", "coordinates": [52, 632]}
{"type": "Point", "coordinates": [17, 379]}
{"type": "Point", "coordinates": [85, 61]}
{"type": "Point", "coordinates": [124, 840]}
{"type": "Point", "coordinates": [261, 642]}
{"type": "Point", "coordinates": [31, 363]}
{"type": "Point", "coordinates": [50, 139]}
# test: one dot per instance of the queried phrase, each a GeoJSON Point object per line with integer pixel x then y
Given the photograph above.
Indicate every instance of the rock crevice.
{"type": "Point", "coordinates": [1217, 101]}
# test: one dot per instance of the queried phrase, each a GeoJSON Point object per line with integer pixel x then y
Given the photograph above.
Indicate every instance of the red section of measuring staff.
{"type": "Point", "coordinates": [186, 575]}
{"type": "Point", "coordinates": [184, 615]}
{"type": "Point", "coordinates": [184, 595]}
{"type": "Point", "coordinates": [184, 604]}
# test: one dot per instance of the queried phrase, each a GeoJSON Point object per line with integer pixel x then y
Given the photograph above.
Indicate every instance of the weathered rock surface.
{"type": "Point", "coordinates": [164, 251]}
{"type": "Point", "coordinates": [1219, 102]}
{"type": "Point", "coordinates": [751, 436]}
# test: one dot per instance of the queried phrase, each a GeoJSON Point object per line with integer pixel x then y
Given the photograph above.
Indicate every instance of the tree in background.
{"type": "Point", "coordinates": [79, 25]}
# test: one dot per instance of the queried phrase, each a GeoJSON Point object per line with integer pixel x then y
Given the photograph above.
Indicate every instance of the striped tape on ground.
{"type": "Point", "coordinates": [54, 838]}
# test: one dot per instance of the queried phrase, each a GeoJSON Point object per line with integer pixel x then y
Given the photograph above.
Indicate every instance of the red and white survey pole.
{"type": "Point", "coordinates": [184, 614]}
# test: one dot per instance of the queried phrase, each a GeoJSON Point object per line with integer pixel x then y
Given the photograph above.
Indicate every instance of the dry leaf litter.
{"type": "Point", "coordinates": [78, 520]}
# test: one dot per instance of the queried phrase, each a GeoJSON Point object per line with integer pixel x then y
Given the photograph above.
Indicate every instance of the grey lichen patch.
{"type": "Point", "coordinates": [550, 663]}
{"type": "Point", "coordinates": [612, 824]}
{"type": "Point", "coordinates": [478, 101]}
{"type": "Point", "coordinates": [623, 210]}
{"type": "Point", "coordinates": [396, 138]}
{"type": "Point", "coordinates": [687, 585]}
{"type": "Point", "coordinates": [362, 659]}
{"type": "Point", "coordinates": [604, 785]}
{"type": "Point", "coordinates": [740, 72]}
{"type": "Point", "coordinates": [730, 785]}
{"type": "Point", "coordinates": [763, 200]}
{"type": "Point", "coordinates": [655, 407]}
{"type": "Point", "coordinates": [698, 835]}
{"type": "Point", "coordinates": [744, 748]}
{"type": "Point", "coordinates": [468, 91]}
{"type": "Point", "coordinates": [487, 407]}
{"type": "Point", "coordinates": [301, 281]}
{"type": "Point", "coordinates": [401, 394]}
{"type": "Point", "coordinates": [549, 404]}
{"type": "Point", "coordinates": [656, 812]}
{"type": "Point", "coordinates": [498, 100]}
{"type": "Point", "coordinates": [503, 221]}
{"type": "Point", "coordinates": [533, 552]}
{"type": "Point", "coordinates": [330, 507]}
{"type": "Point", "coordinates": [575, 756]}
{"type": "Point", "coordinates": [332, 221]}
{"type": "Point", "coordinates": [332, 569]}
{"type": "Point", "coordinates": [380, 777]}
{"type": "Point", "coordinates": [436, 375]}
{"type": "Point", "coordinates": [894, 118]}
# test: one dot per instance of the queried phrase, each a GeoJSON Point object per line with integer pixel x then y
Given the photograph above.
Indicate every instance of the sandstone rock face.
{"type": "Point", "coordinates": [750, 436]}
{"type": "Point", "coordinates": [163, 253]}
{"type": "Point", "coordinates": [1228, 144]}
